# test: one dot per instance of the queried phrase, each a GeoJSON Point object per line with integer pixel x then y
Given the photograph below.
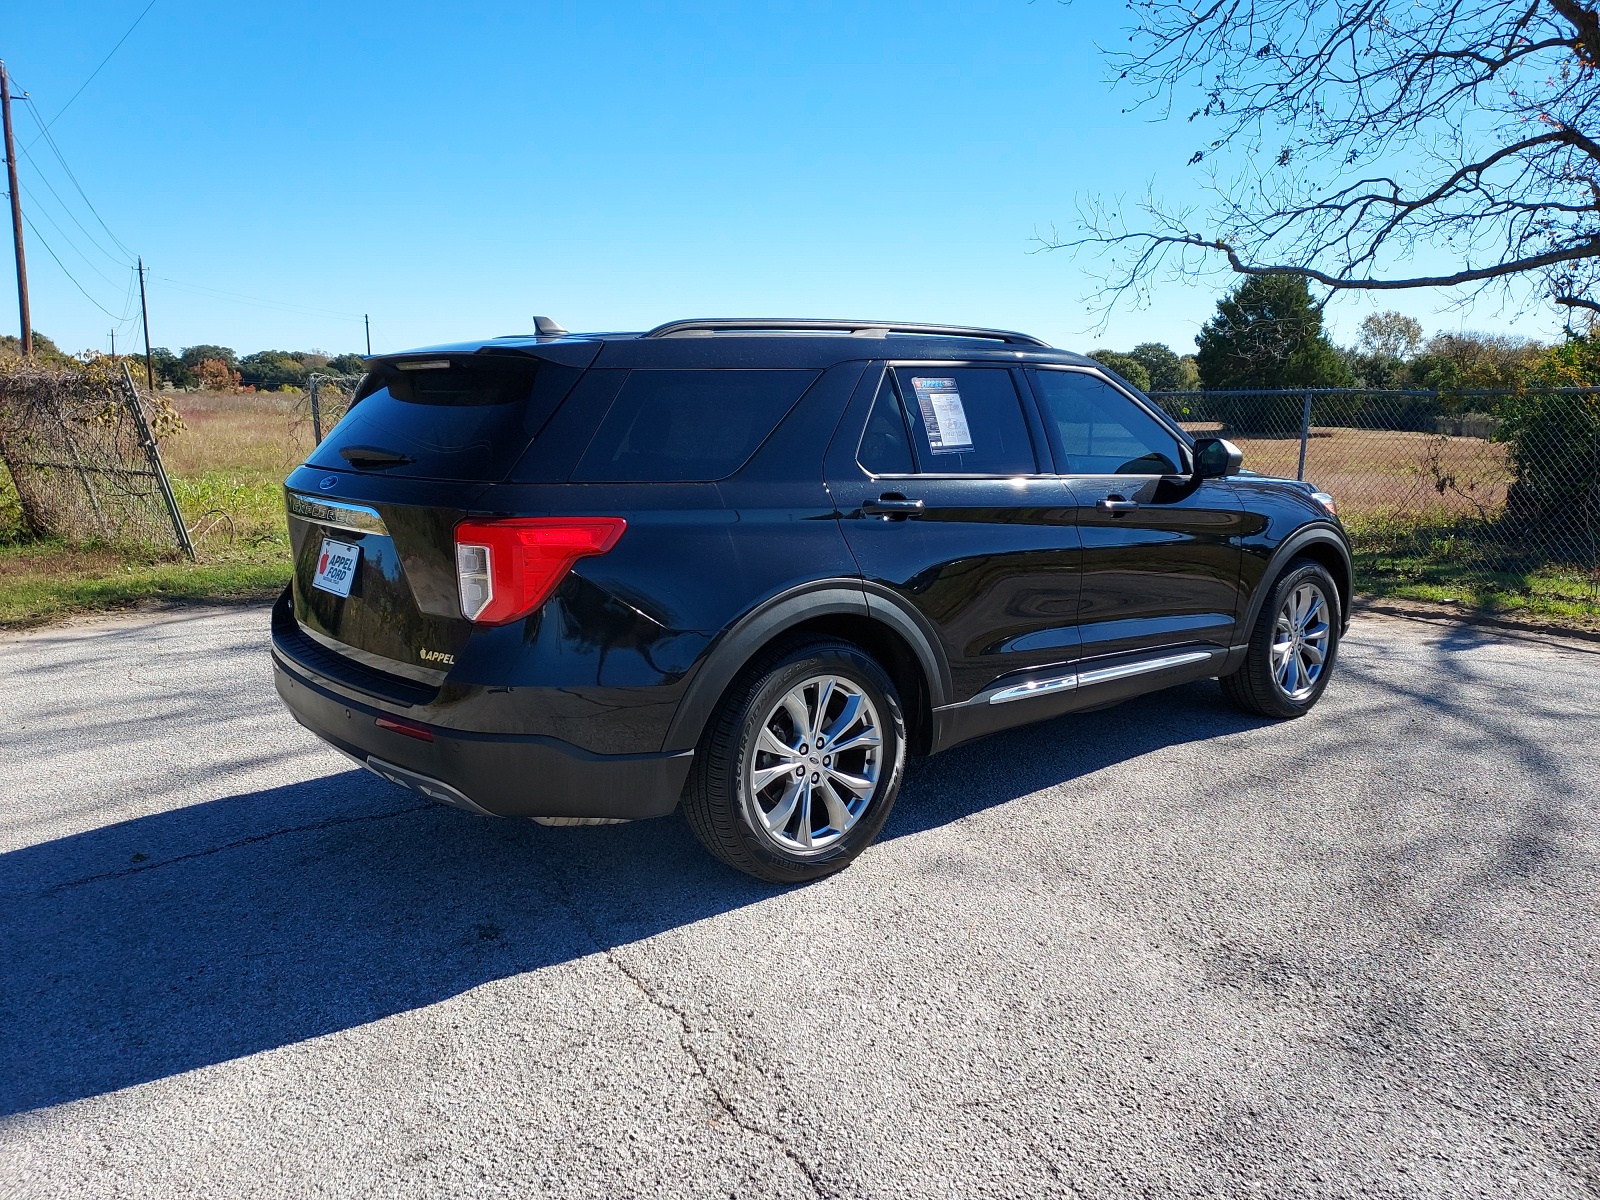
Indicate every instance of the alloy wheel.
{"type": "Point", "coordinates": [814, 767]}
{"type": "Point", "coordinates": [1300, 641]}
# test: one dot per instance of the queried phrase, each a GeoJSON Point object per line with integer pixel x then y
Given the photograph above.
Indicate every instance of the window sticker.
{"type": "Point", "coordinates": [943, 415]}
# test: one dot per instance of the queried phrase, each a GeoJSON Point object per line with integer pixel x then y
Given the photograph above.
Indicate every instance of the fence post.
{"type": "Point", "coordinates": [1305, 435]}
{"type": "Point", "coordinates": [154, 455]}
{"type": "Point", "coordinates": [316, 410]}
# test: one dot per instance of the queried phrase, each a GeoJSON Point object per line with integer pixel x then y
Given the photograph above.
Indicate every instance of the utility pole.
{"type": "Point", "coordinates": [16, 213]}
{"type": "Point", "coordinates": [367, 321]}
{"type": "Point", "coordinates": [113, 342]}
{"type": "Point", "coordinates": [149, 371]}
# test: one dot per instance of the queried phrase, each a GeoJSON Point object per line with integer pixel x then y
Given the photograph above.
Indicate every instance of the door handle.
{"type": "Point", "coordinates": [891, 506]}
{"type": "Point", "coordinates": [1116, 504]}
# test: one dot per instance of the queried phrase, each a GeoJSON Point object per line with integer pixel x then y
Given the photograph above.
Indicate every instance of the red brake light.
{"type": "Point", "coordinates": [508, 568]}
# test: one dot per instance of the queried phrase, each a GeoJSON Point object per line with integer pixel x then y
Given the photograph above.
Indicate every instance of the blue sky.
{"type": "Point", "coordinates": [452, 169]}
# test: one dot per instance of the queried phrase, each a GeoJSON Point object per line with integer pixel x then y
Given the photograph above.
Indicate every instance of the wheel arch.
{"type": "Point", "coordinates": [1322, 544]}
{"type": "Point", "coordinates": [846, 609]}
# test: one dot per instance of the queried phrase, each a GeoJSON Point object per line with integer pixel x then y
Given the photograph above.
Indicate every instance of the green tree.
{"type": "Point", "coordinates": [1129, 367]}
{"type": "Point", "coordinates": [348, 364]}
{"type": "Point", "coordinates": [1555, 443]}
{"type": "Point", "coordinates": [1268, 334]}
{"type": "Point", "coordinates": [1455, 361]}
{"type": "Point", "coordinates": [44, 350]}
{"type": "Point", "coordinates": [272, 370]}
{"type": "Point", "coordinates": [1163, 366]}
{"type": "Point", "coordinates": [167, 367]}
{"type": "Point", "coordinates": [1390, 335]}
{"type": "Point", "coordinates": [195, 355]}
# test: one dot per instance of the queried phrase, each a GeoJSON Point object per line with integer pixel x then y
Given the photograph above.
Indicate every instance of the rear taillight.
{"type": "Point", "coordinates": [506, 569]}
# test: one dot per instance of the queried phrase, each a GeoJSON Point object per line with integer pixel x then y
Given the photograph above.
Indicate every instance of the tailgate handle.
{"type": "Point", "coordinates": [374, 456]}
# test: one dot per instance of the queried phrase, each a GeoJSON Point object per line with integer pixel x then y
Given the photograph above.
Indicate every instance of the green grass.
{"type": "Point", "coordinates": [44, 581]}
{"type": "Point", "coordinates": [1458, 567]}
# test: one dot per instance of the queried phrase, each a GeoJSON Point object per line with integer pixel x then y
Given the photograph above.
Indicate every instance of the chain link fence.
{"type": "Point", "coordinates": [1497, 491]}
{"type": "Point", "coordinates": [328, 398]}
{"type": "Point", "coordinates": [81, 447]}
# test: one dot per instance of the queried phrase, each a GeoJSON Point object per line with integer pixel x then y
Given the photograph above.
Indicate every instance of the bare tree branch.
{"type": "Point", "coordinates": [1364, 133]}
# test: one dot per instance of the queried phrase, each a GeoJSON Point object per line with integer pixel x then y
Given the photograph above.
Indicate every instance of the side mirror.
{"type": "Point", "coordinates": [1215, 458]}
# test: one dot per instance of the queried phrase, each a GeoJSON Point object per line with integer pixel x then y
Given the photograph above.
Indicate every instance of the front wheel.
{"type": "Point", "coordinates": [801, 764]}
{"type": "Point", "coordinates": [1292, 647]}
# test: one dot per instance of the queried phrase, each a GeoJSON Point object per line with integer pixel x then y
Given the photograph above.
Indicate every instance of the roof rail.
{"type": "Point", "coordinates": [705, 327]}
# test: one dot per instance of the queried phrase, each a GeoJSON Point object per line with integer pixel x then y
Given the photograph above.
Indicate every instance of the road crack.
{"type": "Point", "coordinates": [254, 839]}
{"type": "Point", "coordinates": [719, 1095]}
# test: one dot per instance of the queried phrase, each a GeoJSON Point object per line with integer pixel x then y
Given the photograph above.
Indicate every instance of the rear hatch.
{"type": "Point", "coordinates": [382, 495]}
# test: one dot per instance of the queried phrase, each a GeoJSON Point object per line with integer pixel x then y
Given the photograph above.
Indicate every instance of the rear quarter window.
{"type": "Point", "coordinates": [469, 419]}
{"type": "Point", "coordinates": [688, 426]}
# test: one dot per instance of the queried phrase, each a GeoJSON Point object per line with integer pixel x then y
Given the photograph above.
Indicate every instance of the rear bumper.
{"type": "Point", "coordinates": [498, 774]}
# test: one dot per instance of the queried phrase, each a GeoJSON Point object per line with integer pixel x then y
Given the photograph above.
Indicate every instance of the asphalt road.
{"type": "Point", "coordinates": [1162, 950]}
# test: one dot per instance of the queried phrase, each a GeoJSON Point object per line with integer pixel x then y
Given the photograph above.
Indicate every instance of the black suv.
{"type": "Point", "coordinates": [750, 566]}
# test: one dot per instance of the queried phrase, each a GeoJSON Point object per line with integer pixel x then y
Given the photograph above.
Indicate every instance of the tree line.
{"type": "Point", "coordinates": [215, 368]}
{"type": "Point", "coordinates": [1268, 333]}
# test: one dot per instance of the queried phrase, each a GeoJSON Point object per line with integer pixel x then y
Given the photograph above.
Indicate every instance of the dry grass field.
{"type": "Point", "coordinates": [1401, 495]}
{"type": "Point", "coordinates": [227, 469]}
{"type": "Point", "coordinates": [1375, 473]}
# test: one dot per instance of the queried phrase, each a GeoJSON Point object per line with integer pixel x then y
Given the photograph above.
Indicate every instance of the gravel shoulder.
{"type": "Point", "coordinates": [1163, 949]}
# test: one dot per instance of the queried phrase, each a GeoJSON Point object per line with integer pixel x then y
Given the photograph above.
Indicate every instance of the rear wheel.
{"type": "Point", "coordinates": [801, 763]}
{"type": "Point", "coordinates": [1293, 646]}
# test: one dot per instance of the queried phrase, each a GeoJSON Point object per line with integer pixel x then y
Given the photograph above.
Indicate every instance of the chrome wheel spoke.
{"type": "Point", "coordinates": [1311, 654]}
{"type": "Point", "coordinates": [764, 777]}
{"type": "Point", "coordinates": [819, 714]}
{"type": "Point", "coordinates": [795, 705]}
{"type": "Point", "coordinates": [867, 737]}
{"type": "Point", "coordinates": [858, 784]}
{"type": "Point", "coordinates": [848, 716]}
{"type": "Point", "coordinates": [783, 811]}
{"type": "Point", "coordinates": [771, 743]}
{"type": "Point", "coordinates": [839, 816]}
{"type": "Point", "coordinates": [803, 832]}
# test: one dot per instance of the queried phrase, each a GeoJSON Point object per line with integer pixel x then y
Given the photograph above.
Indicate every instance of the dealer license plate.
{"type": "Point", "coordinates": [336, 567]}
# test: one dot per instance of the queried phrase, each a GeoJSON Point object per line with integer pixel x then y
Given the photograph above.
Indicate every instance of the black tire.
{"type": "Point", "coordinates": [719, 801]}
{"type": "Point", "coordinates": [1255, 686]}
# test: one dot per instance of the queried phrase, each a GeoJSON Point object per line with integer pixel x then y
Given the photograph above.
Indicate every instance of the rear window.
{"type": "Point", "coordinates": [464, 418]}
{"type": "Point", "coordinates": [688, 426]}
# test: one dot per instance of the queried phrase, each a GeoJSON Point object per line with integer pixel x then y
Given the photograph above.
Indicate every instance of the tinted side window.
{"type": "Point", "coordinates": [465, 417]}
{"type": "Point", "coordinates": [967, 420]}
{"type": "Point", "coordinates": [688, 426]}
{"type": "Point", "coordinates": [885, 449]}
{"type": "Point", "coordinates": [1099, 431]}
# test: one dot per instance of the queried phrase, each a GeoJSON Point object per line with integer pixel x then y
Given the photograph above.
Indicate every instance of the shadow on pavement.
{"type": "Point", "coordinates": [170, 942]}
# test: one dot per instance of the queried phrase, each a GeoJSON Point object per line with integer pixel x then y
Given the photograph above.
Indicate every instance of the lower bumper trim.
{"type": "Point", "coordinates": [433, 789]}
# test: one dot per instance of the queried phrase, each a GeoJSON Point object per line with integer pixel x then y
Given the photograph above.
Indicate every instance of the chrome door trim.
{"type": "Point", "coordinates": [1039, 687]}
{"type": "Point", "coordinates": [1055, 684]}
{"type": "Point", "coordinates": [1143, 666]}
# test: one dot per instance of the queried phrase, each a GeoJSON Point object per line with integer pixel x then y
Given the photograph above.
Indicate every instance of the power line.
{"type": "Point", "coordinates": [66, 238]}
{"type": "Point", "coordinates": [44, 132]}
{"type": "Point", "coordinates": [41, 177]}
{"type": "Point", "coordinates": [40, 238]}
{"type": "Point", "coordinates": [98, 69]}
{"type": "Point", "coordinates": [201, 290]}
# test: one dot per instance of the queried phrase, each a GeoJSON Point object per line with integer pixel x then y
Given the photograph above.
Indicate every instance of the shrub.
{"type": "Point", "coordinates": [1555, 441]}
